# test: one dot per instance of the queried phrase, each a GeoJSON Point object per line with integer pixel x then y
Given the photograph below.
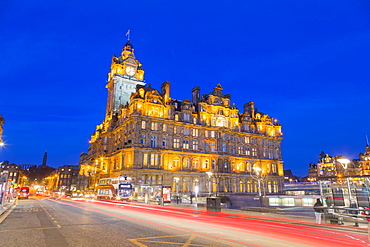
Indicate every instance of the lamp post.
{"type": "Point", "coordinates": [177, 188]}
{"type": "Point", "coordinates": [344, 163]}
{"type": "Point", "coordinates": [196, 193]}
{"type": "Point", "coordinates": [258, 173]}
{"type": "Point", "coordinates": [209, 182]}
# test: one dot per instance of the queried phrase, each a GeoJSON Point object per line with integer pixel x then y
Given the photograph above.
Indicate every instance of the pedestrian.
{"type": "Point", "coordinates": [318, 210]}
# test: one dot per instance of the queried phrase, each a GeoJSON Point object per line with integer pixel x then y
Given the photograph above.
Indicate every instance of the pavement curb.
{"type": "Point", "coordinates": [7, 211]}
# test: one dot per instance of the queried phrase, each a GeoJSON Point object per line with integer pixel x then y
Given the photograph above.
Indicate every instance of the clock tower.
{"type": "Point", "coordinates": [125, 74]}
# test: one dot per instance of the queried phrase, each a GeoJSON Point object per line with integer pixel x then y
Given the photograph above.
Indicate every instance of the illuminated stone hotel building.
{"type": "Point", "coordinates": [204, 144]}
{"type": "Point", "coordinates": [332, 168]}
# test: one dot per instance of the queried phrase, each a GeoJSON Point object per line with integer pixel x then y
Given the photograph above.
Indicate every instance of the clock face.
{"type": "Point", "coordinates": [130, 71]}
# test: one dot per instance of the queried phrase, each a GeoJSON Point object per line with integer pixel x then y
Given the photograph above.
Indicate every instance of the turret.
{"type": "Point", "coordinates": [195, 95]}
{"type": "Point", "coordinates": [166, 91]}
{"type": "Point", "coordinates": [249, 108]}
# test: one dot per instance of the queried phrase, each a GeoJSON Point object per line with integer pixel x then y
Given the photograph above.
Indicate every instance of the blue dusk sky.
{"type": "Point", "coordinates": [306, 63]}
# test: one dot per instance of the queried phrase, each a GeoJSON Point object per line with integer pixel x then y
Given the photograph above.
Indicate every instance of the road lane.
{"type": "Point", "coordinates": [87, 223]}
{"type": "Point", "coordinates": [51, 223]}
{"type": "Point", "coordinates": [241, 228]}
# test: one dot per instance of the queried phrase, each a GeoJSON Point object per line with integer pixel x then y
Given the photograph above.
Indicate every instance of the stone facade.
{"type": "Point", "coordinates": [200, 144]}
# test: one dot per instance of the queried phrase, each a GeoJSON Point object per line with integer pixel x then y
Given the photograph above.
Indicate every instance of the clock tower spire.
{"type": "Point", "coordinates": [125, 74]}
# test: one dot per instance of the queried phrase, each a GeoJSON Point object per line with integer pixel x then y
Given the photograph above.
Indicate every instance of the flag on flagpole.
{"type": "Point", "coordinates": [128, 34]}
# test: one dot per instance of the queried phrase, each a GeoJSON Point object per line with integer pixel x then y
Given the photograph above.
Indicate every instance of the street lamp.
{"type": "Point", "coordinates": [196, 193]}
{"type": "Point", "coordinates": [177, 188]}
{"type": "Point", "coordinates": [209, 182]}
{"type": "Point", "coordinates": [258, 173]}
{"type": "Point", "coordinates": [344, 163]}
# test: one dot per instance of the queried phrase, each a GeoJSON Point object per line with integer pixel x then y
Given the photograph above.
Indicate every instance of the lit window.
{"type": "Point", "coordinates": [288, 202]}
{"type": "Point", "coordinates": [176, 162]}
{"type": "Point", "coordinates": [254, 152]}
{"type": "Point", "coordinates": [195, 145]}
{"type": "Point", "coordinates": [185, 163]}
{"type": "Point", "coordinates": [274, 168]}
{"type": "Point", "coordinates": [307, 202]}
{"type": "Point", "coordinates": [206, 164]}
{"type": "Point", "coordinates": [249, 167]}
{"type": "Point", "coordinates": [143, 124]}
{"type": "Point", "coordinates": [154, 159]}
{"type": "Point", "coordinates": [186, 145]}
{"type": "Point", "coordinates": [164, 127]}
{"type": "Point", "coordinates": [273, 201]}
{"type": "Point", "coordinates": [176, 117]}
{"type": "Point", "coordinates": [145, 159]}
{"type": "Point", "coordinates": [196, 163]}
{"type": "Point", "coordinates": [176, 143]}
{"type": "Point", "coordinates": [154, 126]}
{"type": "Point", "coordinates": [213, 134]}
{"type": "Point", "coordinates": [195, 132]}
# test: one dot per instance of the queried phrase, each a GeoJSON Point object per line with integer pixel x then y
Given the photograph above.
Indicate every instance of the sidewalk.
{"type": "Point", "coordinates": [4, 211]}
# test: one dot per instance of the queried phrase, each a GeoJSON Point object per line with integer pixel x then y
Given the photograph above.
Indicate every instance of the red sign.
{"type": "Point", "coordinates": [166, 194]}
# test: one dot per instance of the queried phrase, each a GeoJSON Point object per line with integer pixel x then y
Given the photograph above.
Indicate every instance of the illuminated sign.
{"type": "Point", "coordinates": [166, 194]}
{"type": "Point", "coordinates": [125, 186]}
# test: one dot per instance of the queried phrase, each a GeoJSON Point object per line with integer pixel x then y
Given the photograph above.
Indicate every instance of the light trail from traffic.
{"type": "Point", "coordinates": [280, 229]}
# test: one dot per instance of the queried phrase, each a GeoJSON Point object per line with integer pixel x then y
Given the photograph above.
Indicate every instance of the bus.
{"type": "Point", "coordinates": [24, 192]}
{"type": "Point", "coordinates": [117, 188]}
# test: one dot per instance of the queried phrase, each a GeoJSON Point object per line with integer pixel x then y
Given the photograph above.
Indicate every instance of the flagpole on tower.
{"type": "Point", "coordinates": [128, 35]}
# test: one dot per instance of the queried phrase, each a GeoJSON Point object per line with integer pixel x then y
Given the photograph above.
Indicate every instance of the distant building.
{"type": "Point", "coordinates": [161, 141]}
{"type": "Point", "coordinates": [15, 172]}
{"type": "Point", "coordinates": [364, 161]}
{"type": "Point", "coordinates": [63, 179]}
{"type": "Point", "coordinates": [333, 168]}
{"type": "Point", "coordinates": [289, 177]}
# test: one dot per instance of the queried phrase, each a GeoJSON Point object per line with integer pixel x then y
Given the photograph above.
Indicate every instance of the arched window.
{"type": "Point", "coordinates": [239, 167]}
{"type": "Point", "coordinates": [249, 167]}
{"type": "Point", "coordinates": [250, 186]}
{"type": "Point", "coordinates": [185, 185]}
{"type": "Point", "coordinates": [176, 162]}
{"type": "Point", "coordinates": [196, 163]}
{"type": "Point", "coordinates": [185, 163]}
{"type": "Point", "coordinates": [241, 186]}
{"type": "Point", "coordinates": [206, 164]}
